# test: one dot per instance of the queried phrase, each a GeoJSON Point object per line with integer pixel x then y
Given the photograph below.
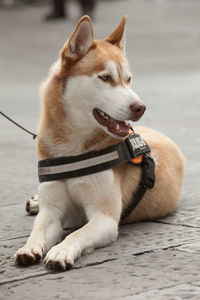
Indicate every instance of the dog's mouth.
{"type": "Point", "coordinates": [118, 128]}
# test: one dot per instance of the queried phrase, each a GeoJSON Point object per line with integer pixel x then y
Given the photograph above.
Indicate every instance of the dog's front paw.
{"type": "Point", "coordinates": [29, 255]}
{"type": "Point", "coordinates": [59, 258]}
{"type": "Point", "coordinates": [32, 206]}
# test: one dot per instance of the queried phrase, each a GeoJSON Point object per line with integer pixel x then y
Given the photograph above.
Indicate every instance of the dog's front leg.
{"type": "Point", "coordinates": [47, 230]}
{"type": "Point", "coordinates": [100, 196]}
{"type": "Point", "coordinates": [98, 232]}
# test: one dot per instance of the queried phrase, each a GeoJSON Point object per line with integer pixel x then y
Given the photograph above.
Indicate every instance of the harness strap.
{"type": "Point", "coordinates": [92, 162]}
{"type": "Point", "coordinates": [84, 164]}
{"type": "Point", "coordinates": [147, 182]}
{"type": "Point", "coordinates": [133, 150]}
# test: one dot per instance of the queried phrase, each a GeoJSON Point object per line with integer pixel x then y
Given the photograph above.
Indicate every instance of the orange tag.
{"type": "Point", "coordinates": [130, 131]}
{"type": "Point", "coordinates": [137, 160]}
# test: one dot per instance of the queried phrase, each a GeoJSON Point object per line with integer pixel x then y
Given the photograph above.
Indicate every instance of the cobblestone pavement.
{"type": "Point", "coordinates": [152, 260]}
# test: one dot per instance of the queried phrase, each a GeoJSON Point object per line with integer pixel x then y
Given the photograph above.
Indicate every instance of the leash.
{"type": "Point", "coordinates": [12, 121]}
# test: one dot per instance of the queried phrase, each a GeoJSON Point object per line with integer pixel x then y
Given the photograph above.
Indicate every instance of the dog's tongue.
{"type": "Point", "coordinates": [119, 128]}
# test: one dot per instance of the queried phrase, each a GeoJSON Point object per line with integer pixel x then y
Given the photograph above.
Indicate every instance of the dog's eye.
{"type": "Point", "coordinates": [104, 77]}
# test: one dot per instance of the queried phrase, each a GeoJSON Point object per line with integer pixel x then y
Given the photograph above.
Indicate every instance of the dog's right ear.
{"type": "Point", "coordinates": [80, 40]}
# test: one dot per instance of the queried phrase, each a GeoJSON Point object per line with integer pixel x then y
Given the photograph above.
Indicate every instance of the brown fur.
{"type": "Point", "coordinates": [52, 123]}
{"type": "Point", "coordinates": [93, 62]}
{"type": "Point", "coordinates": [116, 36]}
{"type": "Point", "coordinates": [164, 197]}
{"type": "Point", "coordinates": [53, 116]}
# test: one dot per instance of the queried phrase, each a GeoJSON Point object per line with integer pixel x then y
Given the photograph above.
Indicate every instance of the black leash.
{"type": "Point", "coordinates": [5, 116]}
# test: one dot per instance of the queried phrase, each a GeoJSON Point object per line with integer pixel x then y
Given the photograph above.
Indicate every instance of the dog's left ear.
{"type": "Point", "coordinates": [118, 36]}
{"type": "Point", "coordinates": [80, 41]}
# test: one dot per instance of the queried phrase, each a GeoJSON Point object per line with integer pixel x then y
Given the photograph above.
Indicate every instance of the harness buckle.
{"type": "Point", "coordinates": [136, 145]}
{"type": "Point", "coordinates": [148, 171]}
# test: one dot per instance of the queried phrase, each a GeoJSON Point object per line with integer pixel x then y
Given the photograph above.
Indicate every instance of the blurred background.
{"type": "Point", "coordinates": [163, 47]}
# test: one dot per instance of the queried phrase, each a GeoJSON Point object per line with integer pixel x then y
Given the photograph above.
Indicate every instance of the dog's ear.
{"type": "Point", "coordinates": [80, 40]}
{"type": "Point", "coordinates": [118, 36]}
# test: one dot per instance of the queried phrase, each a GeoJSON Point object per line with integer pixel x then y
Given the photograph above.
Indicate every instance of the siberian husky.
{"type": "Point", "coordinates": [86, 101]}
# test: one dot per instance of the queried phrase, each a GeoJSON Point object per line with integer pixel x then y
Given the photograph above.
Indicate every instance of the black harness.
{"type": "Point", "coordinates": [133, 150]}
{"type": "Point", "coordinates": [130, 150]}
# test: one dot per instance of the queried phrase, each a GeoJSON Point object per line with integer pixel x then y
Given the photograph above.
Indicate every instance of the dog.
{"type": "Point", "coordinates": [86, 102]}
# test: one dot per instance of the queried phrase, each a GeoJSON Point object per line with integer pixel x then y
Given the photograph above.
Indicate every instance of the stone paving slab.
{"type": "Point", "coordinates": [155, 273]}
{"type": "Point", "coordinates": [13, 193]}
{"type": "Point", "coordinates": [190, 216]}
{"type": "Point", "coordinates": [182, 291]}
{"type": "Point", "coordinates": [191, 247]}
{"type": "Point", "coordinates": [18, 164]}
{"type": "Point", "coordinates": [134, 240]}
{"type": "Point", "coordinates": [15, 222]}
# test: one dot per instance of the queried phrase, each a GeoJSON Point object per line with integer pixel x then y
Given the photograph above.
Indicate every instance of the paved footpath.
{"type": "Point", "coordinates": [152, 260]}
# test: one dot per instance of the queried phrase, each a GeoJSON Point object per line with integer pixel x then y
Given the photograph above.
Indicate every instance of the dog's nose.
{"type": "Point", "coordinates": [137, 110]}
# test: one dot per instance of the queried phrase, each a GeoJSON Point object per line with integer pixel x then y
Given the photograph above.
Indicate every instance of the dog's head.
{"type": "Point", "coordinates": [97, 80]}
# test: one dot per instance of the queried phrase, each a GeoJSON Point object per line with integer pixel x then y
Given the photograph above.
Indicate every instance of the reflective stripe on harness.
{"type": "Point", "coordinates": [134, 150]}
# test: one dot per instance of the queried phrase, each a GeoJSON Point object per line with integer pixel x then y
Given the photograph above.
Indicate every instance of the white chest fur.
{"type": "Point", "coordinates": [92, 190]}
